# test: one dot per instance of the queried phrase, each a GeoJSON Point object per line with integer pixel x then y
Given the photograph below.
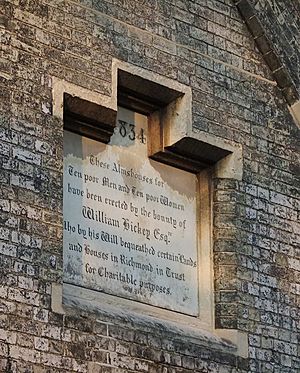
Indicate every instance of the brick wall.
{"type": "Point", "coordinates": [283, 19]}
{"type": "Point", "coordinates": [203, 44]}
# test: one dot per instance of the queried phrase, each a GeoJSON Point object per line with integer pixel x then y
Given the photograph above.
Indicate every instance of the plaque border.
{"type": "Point", "coordinates": [177, 126]}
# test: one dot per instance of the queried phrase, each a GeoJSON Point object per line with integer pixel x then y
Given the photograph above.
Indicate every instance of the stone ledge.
{"type": "Point", "coordinates": [181, 327]}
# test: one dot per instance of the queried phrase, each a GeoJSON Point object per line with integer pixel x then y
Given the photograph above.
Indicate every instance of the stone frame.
{"type": "Point", "coordinates": [172, 127]}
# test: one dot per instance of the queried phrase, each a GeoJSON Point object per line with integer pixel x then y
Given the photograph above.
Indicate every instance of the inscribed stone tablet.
{"type": "Point", "coordinates": [130, 223]}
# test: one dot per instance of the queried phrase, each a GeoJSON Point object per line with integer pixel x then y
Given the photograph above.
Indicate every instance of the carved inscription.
{"type": "Point", "coordinates": [130, 223]}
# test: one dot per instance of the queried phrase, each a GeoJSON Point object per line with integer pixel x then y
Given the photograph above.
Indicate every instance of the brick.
{"type": "Point", "coordinates": [41, 315]}
{"type": "Point", "coordinates": [7, 336]}
{"type": "Point", "coordinates": [23, 353]}
{"type": "Point", "coordinates": [6, 249]}
{"type": "Point", "coordinates": [202, 35]}
{"type": "Point", "coordinates": [207, 46]}
{"type": "Point", "coordinates": [51, 331]}
{"type": "Point", "coordinates": [5, 149]}
{"type": "Point", "coordinates": [23, 296]}
{"type": "Point", "coordinates": [41, 344]}
{"type": "Point", "coordinates": [26, 156]}
{"type": "Point", "coordinates": [4, 234]}
{"type": "Point", "coordinates": [3, 349]}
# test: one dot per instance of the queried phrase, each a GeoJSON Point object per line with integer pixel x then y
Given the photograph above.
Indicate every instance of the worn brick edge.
{"type": "Point", "coordinates": [267, 49]}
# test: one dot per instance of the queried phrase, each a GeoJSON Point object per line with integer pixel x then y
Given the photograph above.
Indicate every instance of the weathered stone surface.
{"type": "Point", "coordinates": [205, 45]}
{"type": "Point", "coordinates": [137, 237]}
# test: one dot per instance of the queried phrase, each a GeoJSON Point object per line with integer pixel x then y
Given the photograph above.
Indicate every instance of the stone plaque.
{"type": "Point", "coordinates": [130, 223]}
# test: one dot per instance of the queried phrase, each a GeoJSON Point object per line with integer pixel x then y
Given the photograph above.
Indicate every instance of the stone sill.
{"type": "Point", "coordinates": [145, 318]}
